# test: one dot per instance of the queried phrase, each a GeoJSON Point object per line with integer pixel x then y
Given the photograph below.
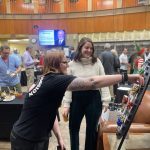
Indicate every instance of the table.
{"type": "Point", "coordinates": [135, 141]}
{"type": "Point", "coordinates": [9, 113]}
{"type": "Point", "coordinates": [121, 91]}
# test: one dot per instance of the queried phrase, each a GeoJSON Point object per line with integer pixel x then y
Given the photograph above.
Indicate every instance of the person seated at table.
{"type": "Point", "coordinates": [31, 130]}
{"type": "Point", "coordinates": [9, 69]}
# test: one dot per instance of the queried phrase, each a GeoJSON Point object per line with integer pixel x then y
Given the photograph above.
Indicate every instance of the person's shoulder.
{"type": "Point", "coordinates": [12, 57]}
{"type": "Point", "coordinates": [98, 60]}
{"type": "Point", "coordinates": [25, 53]}
{"type": "Point", "coordinates": [64, 77]}
{"type": "Point", "coordinates": [120, 55]}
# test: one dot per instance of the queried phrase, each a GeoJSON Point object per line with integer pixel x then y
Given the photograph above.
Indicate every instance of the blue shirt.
{"type": "Point", "coordinates": [10, 66]}
{"type": "Point", "coordinates": [27, 60]}
{"type": "Point", "coordinates": [18, 57]}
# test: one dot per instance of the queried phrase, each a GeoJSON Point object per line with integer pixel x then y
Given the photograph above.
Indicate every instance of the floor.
{"type": "Point", "coordinates": [136, 141]}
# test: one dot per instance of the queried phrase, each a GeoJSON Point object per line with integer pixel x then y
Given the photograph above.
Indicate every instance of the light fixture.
{"type": "Point", "coordinates": [17, 40]}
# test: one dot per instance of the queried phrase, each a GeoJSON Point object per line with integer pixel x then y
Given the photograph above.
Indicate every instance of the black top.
{"type": "Point", "coordinates": [40, 107]}
{"type": "Point", "coordinates": [108, 61]}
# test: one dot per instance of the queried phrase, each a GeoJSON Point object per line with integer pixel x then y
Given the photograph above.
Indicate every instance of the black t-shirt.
{"type": "Point", "coordinates": [40, 107]}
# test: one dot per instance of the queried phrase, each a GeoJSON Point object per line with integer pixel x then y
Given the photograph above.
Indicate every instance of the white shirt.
{"type": "Point", "coordinates": [123, 59]}
{"type": "Point", "coordinates": [146, 57]}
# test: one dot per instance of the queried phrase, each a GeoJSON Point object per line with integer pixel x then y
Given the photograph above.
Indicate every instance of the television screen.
{"type": "Point", "coordinates": [52, 37]}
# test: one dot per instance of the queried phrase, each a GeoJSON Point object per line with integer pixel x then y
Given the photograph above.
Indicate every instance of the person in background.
{"type": "Point", "coordinates": [72, 53]}
{"type": "Point", "coordinates": [124, 61]}
{"type": "Point", "coordinates": [0, 50]}
{"type": "Point", "coordinates": [31, 130]}
{"type": "Point", "coordinates": [147, 54]}
{"type": "Point", "coordinates": [9, 70]}
{"type": "Point", "coordinates": [78, 104]}
{"type": "Point", "coordinates": [131, 62]}
{"type": "Point", "coordinates": [17, 56]}
{"type": "Point", "coordinates": [108, 62]}
{"type": "Point", "coordinates": [29, 65]}
{"type": "Point", "coordinates": [116, 67]}
{"type": "Point", "coordinates": [41, 59]}
{"type": "Point", "coordinates": [61, 38]}
{"type": "Point", "coordinates": [138, 61]}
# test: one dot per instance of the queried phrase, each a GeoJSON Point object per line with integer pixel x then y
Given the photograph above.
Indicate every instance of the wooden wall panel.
{"type": "Point", "coordinates": [104, 24]}
{"type": "Point", "coordinates": [101, 5]}
{"type": "Point", "coordinates": [134, 21]}
{"type": "Point", "coordinates": [42, 9]}
{"type": "Point", "coordinates": [81, 5]}
{"type": "Point", "coordinates": [23, 26]}
{"type": "Point", "coordinates": [7, 27]}
{"type": "Point", "coordinates": [148, 20]}
{"type": "Point", "coordinates": [129, 3]}
{"type": "Point", "coordinates": [56, 8]}
{"type": "Point", "coordinates": [18, 6]}
{"type": "Point", "coordinates": [53, 7]}
{"type": "Point", "coordinates": [96, 5]}
{"type": "Point", "coordinates": [118, 23]}
{"type": "Point", "coordinates": [126, 22]}
{"type": "Point", "coordinates": [3, 7]}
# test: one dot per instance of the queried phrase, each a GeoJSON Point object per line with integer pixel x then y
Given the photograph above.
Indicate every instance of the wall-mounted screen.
{"type": "Point", "coordinates": [52, 37]}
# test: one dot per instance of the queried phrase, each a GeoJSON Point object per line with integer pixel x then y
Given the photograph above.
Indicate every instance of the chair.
{"type": "Point", "coordinates": [141, 123]}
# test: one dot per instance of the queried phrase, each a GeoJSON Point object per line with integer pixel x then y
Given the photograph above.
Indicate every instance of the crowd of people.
{"type": "Point", "coordinates": [84, 85]}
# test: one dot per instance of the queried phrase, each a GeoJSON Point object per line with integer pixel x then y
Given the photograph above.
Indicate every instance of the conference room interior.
{"type": "Point", "coordinates": [117, 22]}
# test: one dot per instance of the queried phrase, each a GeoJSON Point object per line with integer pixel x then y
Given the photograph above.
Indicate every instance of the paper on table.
{"type": "Point", "coordinates": [9, 98]}
{"type": "Point", "coordinates": [105, 115]}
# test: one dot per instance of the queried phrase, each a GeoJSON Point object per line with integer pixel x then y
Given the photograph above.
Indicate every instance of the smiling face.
{"type": "Point", "coordinates": [87, 50]}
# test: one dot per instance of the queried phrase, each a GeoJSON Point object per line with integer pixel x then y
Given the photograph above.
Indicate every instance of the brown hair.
{"type": "Point", "coordinates": [78, 54]}
{"type": "Point", "coordinates": [4, 47]}
{"type": "Point", "coordinates": [52, 60]}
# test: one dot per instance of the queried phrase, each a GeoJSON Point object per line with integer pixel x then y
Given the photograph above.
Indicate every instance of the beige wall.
{"type": "Point", "coordinates": [21, 47]}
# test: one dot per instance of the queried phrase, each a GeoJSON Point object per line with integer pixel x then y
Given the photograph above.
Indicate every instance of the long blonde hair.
{"type": "Point", "coordinates": [114, 52]}
{"type": "Point", "coordinates": [52, 60]}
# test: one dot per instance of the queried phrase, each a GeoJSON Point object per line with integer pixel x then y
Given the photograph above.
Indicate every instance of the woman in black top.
{"type": "Point", "coordinates": [30, 132]}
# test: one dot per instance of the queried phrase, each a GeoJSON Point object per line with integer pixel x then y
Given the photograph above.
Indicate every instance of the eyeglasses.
{"type": "Point", "coordinates": [64, 62]}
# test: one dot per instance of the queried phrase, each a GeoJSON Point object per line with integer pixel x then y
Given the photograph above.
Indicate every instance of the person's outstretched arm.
{"type": "Point", "coordinates": [101, 81]}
